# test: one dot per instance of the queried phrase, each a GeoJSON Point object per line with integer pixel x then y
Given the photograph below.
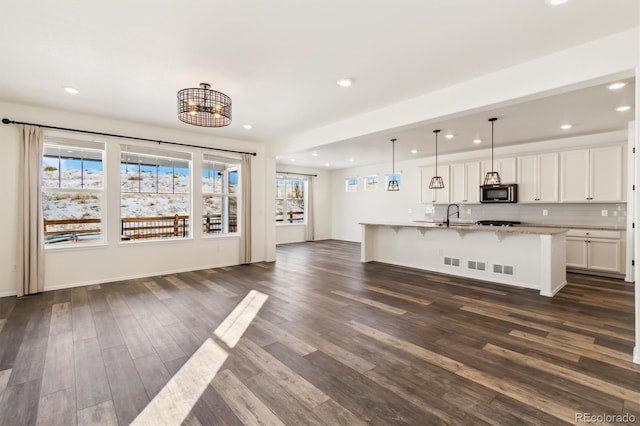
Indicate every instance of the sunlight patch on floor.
{"type": "Point", "coordinates": [177, 398]}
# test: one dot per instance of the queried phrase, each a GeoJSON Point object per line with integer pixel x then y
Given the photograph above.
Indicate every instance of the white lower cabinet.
{"type": "Point", "coordinates": [596, 250]}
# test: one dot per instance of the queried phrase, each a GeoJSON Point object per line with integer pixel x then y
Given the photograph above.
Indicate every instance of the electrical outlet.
{"type": "Point", "coordinates": [409, 211]}
{"type": "Point", "coordinates": [14, 268]}
{"type": "Point", "coordinates": [468, 211]}
{"type": "Point", "coordinates": [604, 212]}
{"type": "Point", "coordinates": [615, 213]}
{"type": "Point", "coordinates": [545, 212]}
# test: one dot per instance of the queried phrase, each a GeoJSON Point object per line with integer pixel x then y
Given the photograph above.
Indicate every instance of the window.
{"type": "Point", "coordinates": [371, 183]}
{"type": "Point", "coordinates": [155, 194]}
{"type": "Point", "coordinates": [351, 185]}
{"type": "Point", "coordinates": [290, 205]}
{"type": "Point", "coordinates": [220, 192]}
{"type": "Point", "coordinates": [72, 190]}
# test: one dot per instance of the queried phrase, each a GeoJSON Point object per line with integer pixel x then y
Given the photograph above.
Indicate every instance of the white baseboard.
{"type": "Point", "coordinates": [8, 293]}
{"type": "Point", "coordinates": [636, 353]}
{"type": "Point", "coordinates": [554, 292]}
{"type": "Point", "coordinates": [129, 277]}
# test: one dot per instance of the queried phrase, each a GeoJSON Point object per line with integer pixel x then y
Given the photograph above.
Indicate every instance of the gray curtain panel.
{"type": "Point", "coordinates": [30, 265]}
{"type": "Point", "coordinates": [245, 221]}
{"type": "Point", "coordinates": [309, 210]}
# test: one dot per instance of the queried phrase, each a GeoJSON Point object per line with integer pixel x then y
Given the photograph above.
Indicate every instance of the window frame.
{"type": "Point", "coordinates": [285, 201]}
{"type": "Point", "coordinates": [231, 165]}
{"type": "Point", "coordinates": [164, 153]}
{"type": "Point", "coordinates": [370, 179]}
{"type": "Point", "coordinates": [351, 184]}
{"type": "Point", "coordinates": [68, 142]}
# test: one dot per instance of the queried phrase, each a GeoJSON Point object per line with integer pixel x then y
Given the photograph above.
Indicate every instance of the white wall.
{"type": "Point", "coordinates": [349, 209]}
{"type": "Point", "coordinates": [322, 195]}
{"type": "Point", "coordinates": [115, 261]}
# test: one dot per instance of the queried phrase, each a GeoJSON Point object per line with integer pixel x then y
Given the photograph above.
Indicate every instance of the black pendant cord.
{"type": "Point", "coordinates": [492, 120]}
{"type": "Point", "coordinates": [393, 159]}
{"type": "Point", "coordinates": [436, 132]}
{"type": "Point", "coordinates": [7, 121]}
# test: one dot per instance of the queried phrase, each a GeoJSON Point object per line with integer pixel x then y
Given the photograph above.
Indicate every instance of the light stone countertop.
{"type": "Point", "coordinates": [594, 227]}
{"type": "Point", "coordinates": [530, 230]}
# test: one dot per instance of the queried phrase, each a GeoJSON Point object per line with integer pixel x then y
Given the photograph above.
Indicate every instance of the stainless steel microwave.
{"type": "Point", "coordinates": [505, 193]}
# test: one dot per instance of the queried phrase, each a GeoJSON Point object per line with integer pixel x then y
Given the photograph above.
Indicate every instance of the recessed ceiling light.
{"type": "Point", "coordinates": [315, 154]}
{"type": "Point", "coordinates": [71, 90]}
{"type": "Point", "coordinates": [616, 86]}
{"type": "Point", "coordinates": [327, 164]}
{"type": "Point", "coordinates": [414, 151]}
{"type": "Point", "coordinates": [566, 126]}
{"type": "Point", "coordinates": [477, 141]}
{"type": "Point", "coordinates": [449, 136]}
{"type": "Point", "coordinates": [556, 2]}
{"type": "Point", "coordinates": [293, 159]}
{"type": "Point", "coordinates": [351, 160]}
{"type": "Point", "coordinates": [345, 82]}
{"type": "Point", "coordinates": [623, 108]}
{"type": "Point", "coordinates": [247, 126]}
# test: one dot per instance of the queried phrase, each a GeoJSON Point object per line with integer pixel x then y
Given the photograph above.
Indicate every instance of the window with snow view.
{"type": "Point", "coordinates": [72, 191]}
{"type": "Point", "coordinates": [155, 193]}
{"type": "Point", "coordinates": [290, 206]}
{"type": "Point", "coordinates": [220, 192]}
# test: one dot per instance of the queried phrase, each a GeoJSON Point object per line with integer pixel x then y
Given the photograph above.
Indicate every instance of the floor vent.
{"type": "Point", "coordinates": [452, 261]}
{"type": "Point", "coordinates": [476, 265]}
{"type": "Point", "coordinates": [503, 269]}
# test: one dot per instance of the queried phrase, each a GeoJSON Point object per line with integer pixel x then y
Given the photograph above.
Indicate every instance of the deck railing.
{"type": "Point", "coordinates": [137, 228]}
{"type": "Point", "coordinates": [290, 217]}
{"type": "Point", "coordinates": [133, 228]}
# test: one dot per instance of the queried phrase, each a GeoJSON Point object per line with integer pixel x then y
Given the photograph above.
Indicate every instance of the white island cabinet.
{"type": "Point", "coordinates": [529, 257]}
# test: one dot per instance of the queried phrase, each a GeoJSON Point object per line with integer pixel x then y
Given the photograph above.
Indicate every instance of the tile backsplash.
{"type": "Point", "coordinates": [556, 214]}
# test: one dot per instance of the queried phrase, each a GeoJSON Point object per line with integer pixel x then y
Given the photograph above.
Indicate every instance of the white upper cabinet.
{"type": "Point", "coordinates": [435, 196]}
{"type": "Point", "coordinates": [606, 179]}
{"type": "Point", "coordinates": [592, 175]}
{"type": "Point", "coordinates": [465, 182]}
{"type": "Point", "coordinates": [506, 167]}
{"type": "Point", "coordinates": [538, 178]}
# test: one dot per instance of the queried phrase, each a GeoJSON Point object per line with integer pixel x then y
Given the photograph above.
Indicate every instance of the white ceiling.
{"type": "Point", "coordinates": [589, 110]}
{"type": "Point", "coordinates": [279, 60]}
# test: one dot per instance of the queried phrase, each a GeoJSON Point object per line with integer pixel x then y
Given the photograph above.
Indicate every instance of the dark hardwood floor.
{"type": "Point", "coordinates": [337, 342]}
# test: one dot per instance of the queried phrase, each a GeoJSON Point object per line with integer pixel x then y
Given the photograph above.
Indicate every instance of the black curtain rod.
{"type": "Point", "coordinates": [292, 173]}
{"type": "Point", "coordinates": [7, 121]}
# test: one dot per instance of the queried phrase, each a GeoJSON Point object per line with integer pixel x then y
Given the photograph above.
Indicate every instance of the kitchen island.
{"type": "Point", "coordinates": [523, 256]}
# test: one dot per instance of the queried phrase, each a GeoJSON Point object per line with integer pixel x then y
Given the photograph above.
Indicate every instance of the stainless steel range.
{"type": "Point", "coordinates": [498, 222]}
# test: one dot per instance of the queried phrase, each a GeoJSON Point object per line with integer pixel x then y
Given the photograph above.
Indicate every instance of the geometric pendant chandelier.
{"type": "Point", "coordinates": [204, 107]}
{"type": "Point", "coordinates": [436, 181]}
{"type": "Point", "coordinates": [492, 177]}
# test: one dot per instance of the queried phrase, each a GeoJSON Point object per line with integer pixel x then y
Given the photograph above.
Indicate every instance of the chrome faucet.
{"type": "Point", "coordinates": [457, 212]}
